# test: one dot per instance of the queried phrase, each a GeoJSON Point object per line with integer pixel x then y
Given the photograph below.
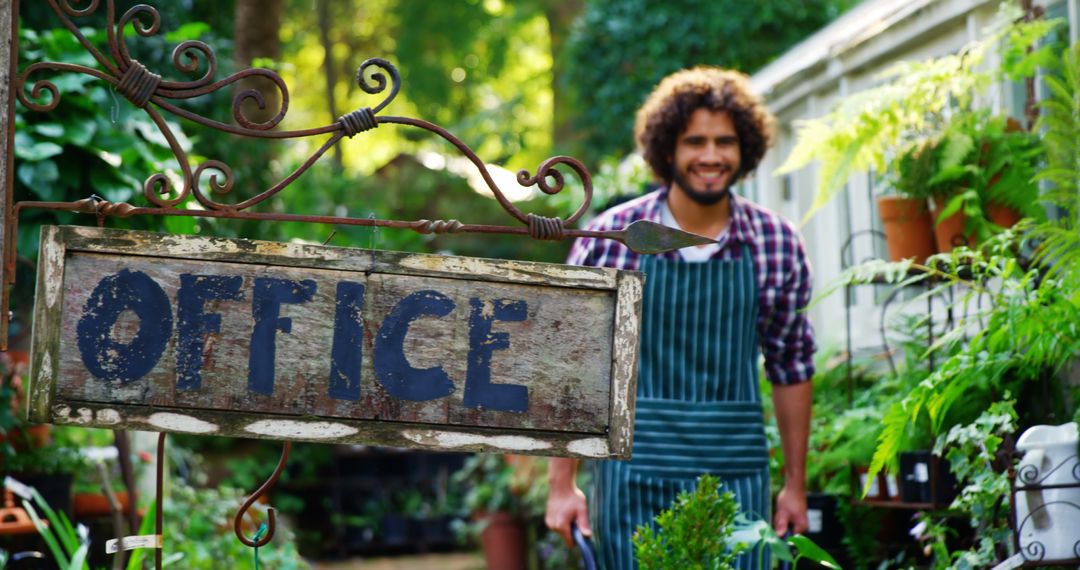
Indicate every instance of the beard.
{"type": "Point", "coordinates": [701, 197]}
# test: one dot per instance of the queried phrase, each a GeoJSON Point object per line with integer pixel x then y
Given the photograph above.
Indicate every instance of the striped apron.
{"type": "Point", "coordinates": [698, 402]}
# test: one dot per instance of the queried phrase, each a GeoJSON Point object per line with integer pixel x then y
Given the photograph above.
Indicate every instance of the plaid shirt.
{"type": "Point", "coordinates": [783, 274]}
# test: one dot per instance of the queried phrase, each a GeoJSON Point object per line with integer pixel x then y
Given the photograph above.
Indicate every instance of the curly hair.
{"type": "Point", "coordinates": [666, 113]}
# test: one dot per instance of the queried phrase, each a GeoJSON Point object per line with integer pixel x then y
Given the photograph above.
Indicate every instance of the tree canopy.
{"type": "Point", "coordinates": [620, 49]}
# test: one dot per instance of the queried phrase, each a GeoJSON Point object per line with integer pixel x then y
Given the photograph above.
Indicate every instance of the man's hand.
{"type": "Point", "coordinates": [791, 510]}
{"type": "Point", "coordinates": [566, 502]}
{"type": "Point", "coordinates": [792, 405]}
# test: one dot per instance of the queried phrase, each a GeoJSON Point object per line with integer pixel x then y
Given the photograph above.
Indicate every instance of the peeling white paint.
{"type": "Point", "coordinates": [201, 245]}
{"type": "Point", "coordinates": [108, 416]}
{"type": "Point", "coordinates": [590, 447]}
{"type": "Point", "coordinates": [625, 359]}
{"type": "Point", "coordinates": [62, 412]}
{"type": "Point", "coordinates": [180, 423]}
{"type": "Point", "coordinates": [296, 429]}
{"type": "Point", "coordinates": [512, 271]}
{"type": "Point", "coordinates": [54, 269]}
{"type": "Point", "coordinates": [455, 440]}
{"type": "Point", "coordinates": [84, 416]}
{"type": "Point", "coordinates": [45, 377]}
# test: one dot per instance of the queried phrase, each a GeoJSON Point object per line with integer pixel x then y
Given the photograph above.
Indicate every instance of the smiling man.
{"type": "Point", "coordinates": [707, 312]}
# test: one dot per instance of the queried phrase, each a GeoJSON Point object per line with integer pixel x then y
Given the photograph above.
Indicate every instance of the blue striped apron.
{"type": "Point", "coordinates": [698, 402]}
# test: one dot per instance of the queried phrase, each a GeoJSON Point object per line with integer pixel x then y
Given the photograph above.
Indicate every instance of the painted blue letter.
{"type": "Point", "coordinates": [479, 391]}
{"type": "Point", "coordinates": [392, 368]}
{"type": "Point", "coordinates": [346, 355]}
{"type": "Point", "coordinates": [192, 323]}
{"type": "Point", "coordinates": [123, 291]}
{"type": "Point", "coordinates": [266, 302]}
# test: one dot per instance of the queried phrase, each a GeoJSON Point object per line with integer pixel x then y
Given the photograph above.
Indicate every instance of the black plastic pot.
{"type": "Point", "coordinates": [56, 489]}
{"type": "Point", "coordinates": [925, 478]}
{"type": "Point", "coordinates": [825, 528]}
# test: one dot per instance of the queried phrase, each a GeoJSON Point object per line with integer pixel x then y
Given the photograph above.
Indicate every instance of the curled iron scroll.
{"type": "Point", "coordinates": [155, 93]}
{"type": "Point", "coordinates": [271, 522]}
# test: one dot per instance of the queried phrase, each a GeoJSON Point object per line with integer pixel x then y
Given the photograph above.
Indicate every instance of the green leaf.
{"type": "Point", "coordinates": [145, 527]}
{"type": "Point", "coordinates": [951, 207]}
{"type": "Point", "coordinates": [807, 549]}
{"type": "Point", "coordinates": [188, 31]}
{"type": "Point", "coordinates": [37, 151]}
{"type": "Point", "coordinates": [106, 183]}
{"type": "Point", "coordinates": [40, 178]}
{"type": "Point", "coordinates": [180, 224]}
{"type": "Point", "coordinates": [79, 133]}
{"type": "Point", "coordinates": [46, 535]}
{"type": "Point", "coordinates": [78, 559]}
{"type": "Point", "coordinates": [51, 130]}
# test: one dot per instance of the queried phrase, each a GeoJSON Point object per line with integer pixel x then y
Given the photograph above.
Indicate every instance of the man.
{"type": "Point", "coordinates": [706, 312]}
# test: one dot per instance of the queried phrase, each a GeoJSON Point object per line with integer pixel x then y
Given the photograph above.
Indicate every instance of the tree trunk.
{"type": "Point", "coordinates": [256, 35]}
{"type": "Point", "coordinates": [329, 71]}
{"type": "Point", "coordinates": [560, 16]}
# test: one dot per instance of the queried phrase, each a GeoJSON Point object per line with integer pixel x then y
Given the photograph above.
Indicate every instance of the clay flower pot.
{"type": "Point", "coordinates": [1002, 215]}
{"type": "Point", "coordinates": [950, 233]}
{"type": "Point", "coordinates": [503, 540]}
{"type": "Point", "coordinates": [909, 229]}
{"type": "Point", "coordinates": [97, 504]}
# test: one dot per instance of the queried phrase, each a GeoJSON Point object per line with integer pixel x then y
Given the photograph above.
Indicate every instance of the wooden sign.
{"type": "Point", "coordinates": [135, 330]}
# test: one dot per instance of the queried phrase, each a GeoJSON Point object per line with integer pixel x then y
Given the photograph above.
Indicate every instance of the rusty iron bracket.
{"type": "Point", "coordinates": [154, 94]}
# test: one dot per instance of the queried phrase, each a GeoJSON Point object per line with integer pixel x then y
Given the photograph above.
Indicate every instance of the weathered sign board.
{"type": "Point", "coordinates": [201, 335]}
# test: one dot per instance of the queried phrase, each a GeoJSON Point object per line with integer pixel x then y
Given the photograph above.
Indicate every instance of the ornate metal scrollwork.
{"type": "Point", "coordinates": [154, 93]}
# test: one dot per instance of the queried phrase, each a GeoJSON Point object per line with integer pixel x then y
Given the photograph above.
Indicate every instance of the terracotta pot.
{"type": "Point", "coordinates": [949, 233]}
{"type": "Point", "coordinates": [1002, 215]}
{"type": "Point", "coordinates": [908, 228]}
{"type": "Point", "coordinates": [97, 504]}
{"type": "Point", "coordinates": [503, 540]}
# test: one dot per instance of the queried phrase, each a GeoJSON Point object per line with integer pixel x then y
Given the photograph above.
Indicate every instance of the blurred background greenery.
{"type": "Point", "coordinates": [517, 81]}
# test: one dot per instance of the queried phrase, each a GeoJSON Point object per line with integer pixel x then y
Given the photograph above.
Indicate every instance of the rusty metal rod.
{"type": "Point", "coordinates": [158, 516]}
{"type": "Point", "coordinates": [271, 524]}
{"type": "Point", "coordinates": [126, 210]}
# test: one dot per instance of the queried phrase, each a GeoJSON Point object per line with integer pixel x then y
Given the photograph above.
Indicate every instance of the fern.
{"type": "Point", "coordinates": [867, 128]}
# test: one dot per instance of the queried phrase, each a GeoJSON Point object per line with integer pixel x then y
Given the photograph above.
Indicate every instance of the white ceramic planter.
{"type": "Point", "coordinates": [1048, 493]}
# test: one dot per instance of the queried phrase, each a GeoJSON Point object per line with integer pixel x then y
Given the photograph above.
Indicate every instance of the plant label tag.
{"type": "Point", "coordinates": [893, 486]}
{"type": "Point", "coordinates": [814, 518]}
{"type": "Point", "coordinates": [870, 485]}
{"type": "Point", "coordinates": [19, 488]}
{"type": "Point", "coordinates": [922, 472]}
{"type": "Point", "coordinates": [132, 542]}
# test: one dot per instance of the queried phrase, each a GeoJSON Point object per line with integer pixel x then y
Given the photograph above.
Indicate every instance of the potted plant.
{"type": "Point", "coordinates": [978, 172]}
{"type": "Point", "coordinates": [26, 450]}
{"type": "Point", "coordinates": [875, 128]}
{"type": "Point", "coordinates": [703, 529]}
{"type": "Point", "coordinates": [1012, 336]}
{"type": "Point", "coordinates": [496, 512]}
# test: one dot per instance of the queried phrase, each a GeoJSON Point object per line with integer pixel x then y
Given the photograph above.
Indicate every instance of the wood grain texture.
{"type": "Point", "coordinates": [559, 333]}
